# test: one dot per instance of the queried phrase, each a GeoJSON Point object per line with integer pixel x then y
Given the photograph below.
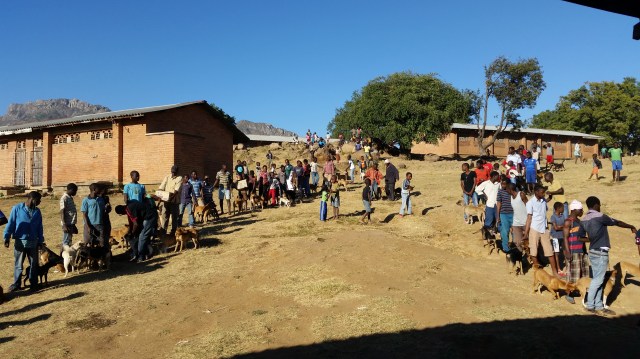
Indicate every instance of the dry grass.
{"type": "Point", "coordinates": [280, 277]}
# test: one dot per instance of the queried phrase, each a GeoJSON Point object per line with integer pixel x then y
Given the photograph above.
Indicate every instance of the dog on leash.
{"type": "Point", "coordinates": [514, 260]}
{"type": "Point", "coordinates": [183, 235]}
{"type": "Point", "coordinates": [609, 282]}
{"type": "Point", "coordinates": [47, 259]}
{"type": "Point", "coordinates": [118, 236]}
{"type": "Point", "coordinates": [239, 204]}
{"type": "Point", "coordinates": [554, 285]}
{"type": "Point", "coordinates": [284, 201]}
{"type": "Point", "coordinates": [69, 254]}
{"type": "Point", "coordinates": [473, 211]}
{"type": "Point", "coordinates": [625, 268]}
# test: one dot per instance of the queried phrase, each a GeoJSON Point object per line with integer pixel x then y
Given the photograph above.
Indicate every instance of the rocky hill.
{"type": "Point", "coordinates": [41, 110]}
{"type": "Point", "coordinates": [260, 128]}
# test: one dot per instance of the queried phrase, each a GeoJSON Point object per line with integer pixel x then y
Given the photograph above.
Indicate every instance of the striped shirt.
{"type": "Point", "coordinates": [504, 198]}
{"type": "Point", "coordinates": [196, 184]}
{"type": "Point", "coordinates": [223, 179]}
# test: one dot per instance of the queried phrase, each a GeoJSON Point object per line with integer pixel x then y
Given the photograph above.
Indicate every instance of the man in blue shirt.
{"type": "Point", "coordinates": [530, 169]}
{"type": "Point", "coordinates": [25, 226]}
{"type": "Point", "coordinates": [187, 198]}
{"type": "Point", "coordinates": [92, 211]}
{"type": "Point", "coordinates": [196, 183]}
{"type": "Point", "coordinates": [134, 191]}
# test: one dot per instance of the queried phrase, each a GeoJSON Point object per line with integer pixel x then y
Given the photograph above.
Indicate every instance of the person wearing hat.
{"type": "Point", "coordinates": [575, 250]}
{"type": "Point", "coordinates": [390, 177]}
{"type": "Point", "coordinates": [171, 207]}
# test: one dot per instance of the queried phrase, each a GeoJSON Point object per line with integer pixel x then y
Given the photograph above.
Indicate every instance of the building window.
{"type": "Point", "coordinates": [37, 143]}
{"type": "Point", "coordinates": [66, 138]}
{"type": "Point", "coordinates": [4, 146]}
{"type": "Point", "coordinates": [21, 145]}
{"type": "Point", "coordinates": [104, 134]}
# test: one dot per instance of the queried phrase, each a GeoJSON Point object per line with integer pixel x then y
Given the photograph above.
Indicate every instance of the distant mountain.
{"type": "Point", "coordinates": [42, 110]}
{"type": "Point", "coordinates": [260, 128]}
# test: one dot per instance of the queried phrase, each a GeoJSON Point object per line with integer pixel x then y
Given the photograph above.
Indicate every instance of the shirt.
{"type": "Point", "coordinates": [537, 208]}
{"type": "Point", "coordinates": [287, 169]}
{"type": "Point", "coordinates": [468, 180]}
{"type": "Point", "coordinates": [481, 175]}
{"type": "Point", "coordinates": [314, 167]}
{"type": "Point", "coordinates": [367, 149]}
{"type": "Point", "coordinates": [223, 178]}
{"type": "Point", "coordinates": [515, 158]}
{"type": "Point", "coordinates": [366, 193]}
{"type": "Point", "coordinates": [140, 211]}
{"type": "Point", "coordinates": [595, 224]}
{"type": "Point", "coordinates": [519, 211]}
{"type": "Point", "coordinates": [172, 185]}
{"type": "Point", "coordinates": [25, 226]}
{"type": "Point", "coordinates": [549, 151]}
{"type": "Point", "coordinates": [329, 168]}
{"type": "Point", "coordinates": [299, 171]}
{"type": "Point", "coordinates": [556, 185]}
{"type": "Point", "coordinates": [68, 208]}
{"type": "Point", "coordinates": [197, 185]}
{"type": "Point", "coordinates": [504, 198]}
{"type": "Point", "coordinates": [557, 220]}
{"type": "Point", "coordinates": [186, 193]}
{"type": "Point", "coordinates": [93, 208]}
{"type": "Point", "coordinates": [392, 174]}
{"type": "Point", "coordinates": [489, 189]}
{"type": "Point", "coordinates": [615, 154]}
{"type": "Point", "coordinates": [405, 186]}
{"type": "Point", "coordinates": [134, 191]}
{"type": "Point", "coordinates": [530, 164]}
{"type": "Point", "coordinates": [207, 192]}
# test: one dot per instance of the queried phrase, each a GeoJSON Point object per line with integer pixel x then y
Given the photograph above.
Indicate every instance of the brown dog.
{"type": "Point", "coordinates": [609, 282]}
{"type": "Point", "coordinates": [625, 268]}
{"type": "Point", "coordinates": [198, 213]}
{"type": "Point", "coordinates": [118, 236]}
{"type": "Point", "coordinates": [554, 285]}
{"type": "Point", "coordinates": [471, 211]}
{"type": "Point", "coordinates": [183, 235]}
{"type": "Point", "coordinates": [239, 204]}
{"type": "Point", "coordinates": [256, 201]}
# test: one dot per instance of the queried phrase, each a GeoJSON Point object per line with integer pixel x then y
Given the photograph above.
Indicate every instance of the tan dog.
{"type": "Point", "coordinates": [609, 282]}
{"type": "Point", "coordinates": [343, 183]}
{"type": "Point", "coordinates": [239, 204]}
{"type": "Point", "coordinates": [183, 235]}
{"type": "Point", "coordinates": [198, 214]}
{"type": "Point", "coordinates": [625, 268]}
{"type": "Point", "coordinates": [284, 201]}
{"type": "Point", "coordinates": [471, 211]}
{"type": "Point", "coordinates": [166, 240]}
{"type": "Point", "coordinates": [584, 160]}
{"type": "Point", "coordinates": [554, 285]}
{"type": "Point", "coordinates": [118, 236]}
{"type": "Point", "coordinates": [256, 201]}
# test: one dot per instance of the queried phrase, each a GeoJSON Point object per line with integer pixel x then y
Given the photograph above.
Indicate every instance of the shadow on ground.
{"type": "Point", "coordinates": [574, 336]}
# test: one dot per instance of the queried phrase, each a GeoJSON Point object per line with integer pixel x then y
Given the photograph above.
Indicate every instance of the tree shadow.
{"type": "Point", "coordinates": [553, 337]}
{"type": "Point", "coordinates": [13, 323]}
{"type": "Point", "coordinates": [426, 210]}
{"type": "Point", "coordinates": [29, 307]}
{"type": "Point", "coordinates": [6, 339]}
{"type": "Point", "coordinates": [389, 217]}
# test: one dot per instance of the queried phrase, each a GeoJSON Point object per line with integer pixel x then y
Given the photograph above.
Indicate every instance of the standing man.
{"type": "Point", "coordinates": [171, 184]}
{"type": "Point", "coordinates": [269, 158]}
{"type": "Point", "coordinates": [223, 182]}
{"type": "Point", "coordinates": [468, 186]}
{"type": "Point", "coordinates": [504, 213]}
{"type": "Point", "coordinates": [93, 211]}
{"type": "Point", "coordinates": [196, 183]}
{"type": "Point", "coordinates": [68, 214]}
{"type": "Point", "coordinates": [306, 177]}
{"type": "Point", "coordinates": [577, 153]}
{"type": "Point", "coordinates": [315, 177]}
{"type": "Point", "coordinates": [25, 226]}
{"type": "Point", "coordinates": [555, 191]}
{"type": "Point", "coordinates": [288, 167]}
{"type": "Point", "coordinates": [143, 218]}
{"type": "Point", "coordinates": [536, 229]}
{"type": "Point", "coordinates": [187, 200]}
{"type": "Point", "coordinates": [390, 177]}
{"type": "Point", "coordinates": [134, 191]}
{"type": "Point", "coordinates": [549, 154]}
{"type": "Point", "coordinates": [595, 224]}
{"type": "Point", "coordinates": [615, 153]}
{"type": "Point", "coordinates": [367, 151]}
{"type": "Point", "coordinates": [490, 190]}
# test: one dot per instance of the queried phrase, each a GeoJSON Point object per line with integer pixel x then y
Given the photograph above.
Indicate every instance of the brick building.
{"type": "Point", "coordinates": [463, 140]}
{"type": "Point", "coordinates": [107, 146]}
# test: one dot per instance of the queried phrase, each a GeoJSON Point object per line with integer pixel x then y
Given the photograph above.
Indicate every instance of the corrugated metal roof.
{"type": "Point", "coordinates": [468, 126]}
{"type": "Point", "coordinates": [269, 138]}
{"type": "Point", "coordinates": [28, 127]}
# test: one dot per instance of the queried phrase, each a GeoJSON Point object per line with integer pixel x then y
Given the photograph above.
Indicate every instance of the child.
{"type": "Point", "coordinates": [574, 247]}
{"type": "Point", "coordinates": [334, 196]}
{"type": "Point", "coordinates": [68, 214]}
{"type": "Point", "coordinates": [363, 168]}
{"type": "Point", "coordinates": [597, 165]}
{"type": "Point", "coordinates": [512, 172]}
{"type": "Point", "coordinates": [352, 169]}
{"type": "Point", "coordinates": [530, 172]}
{"type": "Point", "coordinates": [273, 189]}
{"type": "Point", "coordinates": [366, 201]}
{"type": "Point", "coordinates": [134, 191]}
{"type": "Point", "coordinates": [406, 193]}
{"type": "Point", "coordinates": [557, 232]}
{"type": "Point", "coordinates": [187, 199]}
{"type": "Point", "coordinates": [92, 213]}
{"type": "Point", "coordinates": [323, 204]}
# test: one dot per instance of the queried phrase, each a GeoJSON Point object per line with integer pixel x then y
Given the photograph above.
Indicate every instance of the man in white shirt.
{"type": "Point", "coordinates": [490, 190]}
{"type": "Point", "coordinates": [515, 158]}
{"type": "Point", "coordinates": [536, 229]}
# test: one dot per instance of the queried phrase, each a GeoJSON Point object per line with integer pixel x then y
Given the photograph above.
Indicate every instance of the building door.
{"type": "Point", "coordinates": [20, 164]}
{"type": "Point", "coordinates": [36, 167]}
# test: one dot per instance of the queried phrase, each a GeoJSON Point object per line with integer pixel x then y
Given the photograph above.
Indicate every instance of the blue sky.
{"type": "Point", "coordinates": [292, 63]}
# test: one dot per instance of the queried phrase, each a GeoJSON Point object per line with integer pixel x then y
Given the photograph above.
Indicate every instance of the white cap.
{"type": "Point", "coordinates": [575, 205]}
{"type": "Point", "coordinates": [386, 161]}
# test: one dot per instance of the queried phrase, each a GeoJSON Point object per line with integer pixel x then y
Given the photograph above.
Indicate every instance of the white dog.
{"type": "Point", "coordinates": [69, 254]}
{"type": "Point", "coordinates": [285, 202]}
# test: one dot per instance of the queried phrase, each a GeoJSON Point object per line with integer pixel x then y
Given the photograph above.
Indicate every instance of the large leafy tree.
{"type": "Point", "coordinates": [514, 86]}
{"type": "Point", "coordinates": [607, 109]}
{"type": "Point", "coordinates": [403, 107]}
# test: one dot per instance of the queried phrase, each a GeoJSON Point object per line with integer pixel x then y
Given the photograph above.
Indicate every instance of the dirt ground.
{"type": "Point", "coordinates": [281, 283]}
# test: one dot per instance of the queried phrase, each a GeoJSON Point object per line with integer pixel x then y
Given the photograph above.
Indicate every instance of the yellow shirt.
{"type": "Point", "coordinates": [172, 185]}
{"type": "Point", "coordinates": [556, 185]}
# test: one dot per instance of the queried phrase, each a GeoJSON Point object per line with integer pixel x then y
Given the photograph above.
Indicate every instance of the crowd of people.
{"type": "Point", "coordinates": [516, 194]}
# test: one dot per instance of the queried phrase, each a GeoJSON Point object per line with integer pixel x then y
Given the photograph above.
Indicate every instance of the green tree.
{"type": "Point", "coordinates": [514, 86]}
{"type": "Point", "coordinates": [607, 109]}
{"type": "Point", "coordinates": [403, 107]}
{"type": "Point", "coordinates": [222, 115]}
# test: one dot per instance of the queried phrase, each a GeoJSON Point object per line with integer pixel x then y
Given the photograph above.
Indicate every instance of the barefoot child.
{"type": "Point", "coordinates": [597, 165]}
{"type": "Point", "coordinates": [334, 196]}
{"type": "Point", "coordinates": [575, 249]}
{"type": "Point", "coordinates": [366, 201]}
{"type": "Point", "coordinates": [557, 232]}
{"type": "Point", "coordinates": [406, 193]}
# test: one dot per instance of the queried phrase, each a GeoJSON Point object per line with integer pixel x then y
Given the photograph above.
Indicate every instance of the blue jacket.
{"type": "Point", "coordinates": [24, 228]}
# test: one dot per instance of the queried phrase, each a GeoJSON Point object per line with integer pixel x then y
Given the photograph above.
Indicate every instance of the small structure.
{"type": "Point", "coordinates": [463, 140]}
{"type": "Point", "coordinates": [107, 146]}
{"type": "Point", "coordinates": [262, 140]}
